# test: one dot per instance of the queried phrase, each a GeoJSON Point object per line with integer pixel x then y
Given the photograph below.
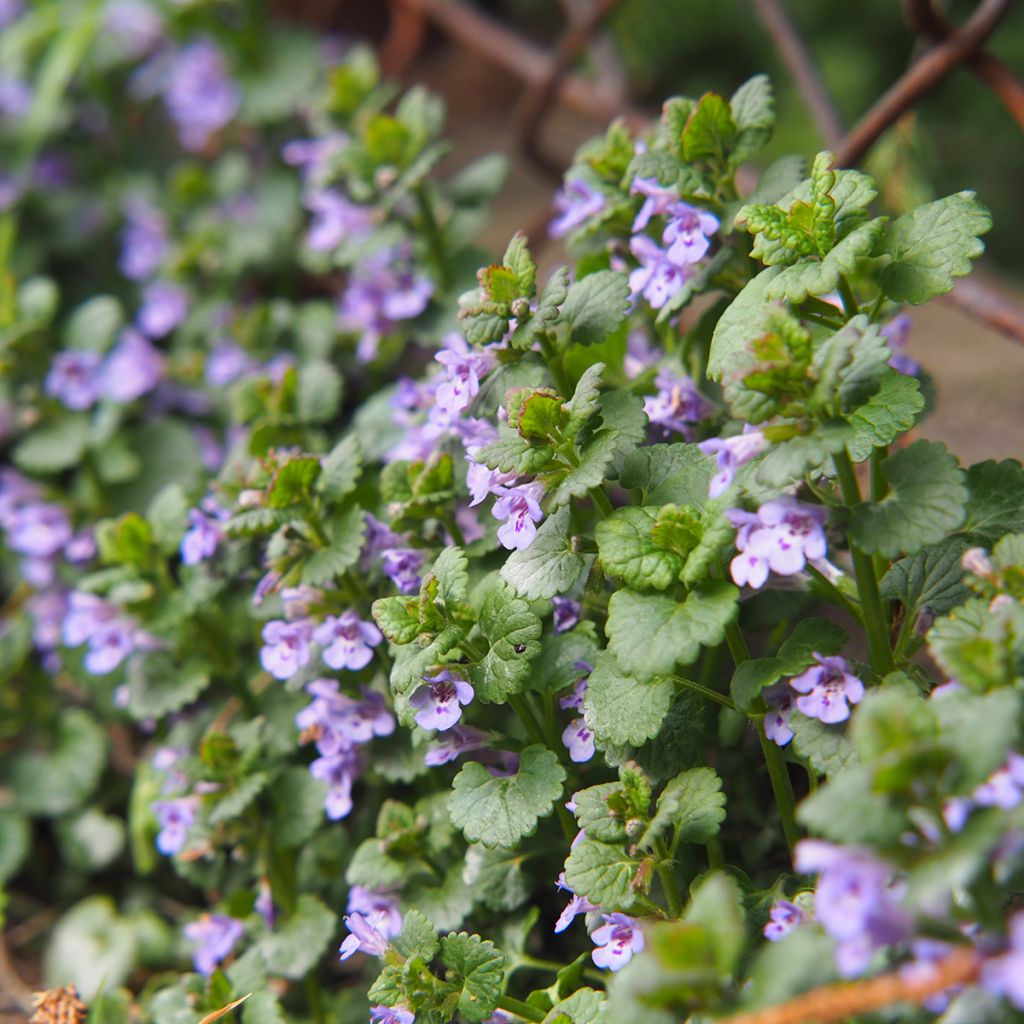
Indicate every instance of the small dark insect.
{"type": "Point", "coordinates": [520, 648]}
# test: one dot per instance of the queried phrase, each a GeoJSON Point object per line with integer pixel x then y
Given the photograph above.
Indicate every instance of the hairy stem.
{"type": "Point", "coordinates": [669, 883]}
{"type": "Point", "coordinates": [520, 1009]}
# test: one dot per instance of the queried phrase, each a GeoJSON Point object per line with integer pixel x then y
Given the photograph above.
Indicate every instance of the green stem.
{"type": "Point", "coordinates": [553, 358]}
{"type": "Point", "coordinates": [667, 874]}
{"type": "Point", "coordinates": [849, 299]}
{"type": "Point", "coordinates": [834, 592]}
{"type": "Point", "coordinates": [601, 502]}
{"type": "Point", "coordinates": [316, 1008]}
{"type": "Point", "coordinates": [520, 1009]}
{"type": "Point", "coordinates": [778, 775]}
{"type": "Point", "coordinates": [434, 238]}
{"type": "Point", "coordinates": [705, 691]}
{"type": "Point", "coordinates": [716, 856]}
{"type": "Point", "coordinates": [864, 572]}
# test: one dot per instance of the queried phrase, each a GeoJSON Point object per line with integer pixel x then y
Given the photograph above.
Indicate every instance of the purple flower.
{"type": "Point", "coordinates": [132, 367]}
{"type": "Point", "coordinates": [783, 536]}
{"type": "Point", "coordinates": [686, 233]}
{"type": "Point", "coordinates": [578, 740]}
{"type": "Point", "coordinates": [658, 199]}
{"type": "Point", "coordinates": [1004, 787]}
{"type": "Point", "coordinates": [731, 453]}
{"type": "Point", "coordinates": [297, 602]}
{"type": "Point", "coordinates": [85, 615]}
{"type": "Point", "coordinates": [37, 529]}
{"type": "Point", "coordinates": [226, 363]}
{"type": "Point", "coordinates": [164, 306]}
{"type": "Point", "coordinates": [402, 567]}
{"type": "Point", "coordinates": [855, 901]}
{"type": "Point", "coordinates": [518, 507]}
{"type": "Point", "coordinates": [1004, 975]}
{"type": "Point", "coordinates": [338, 721]}
{"type": "Point", "coordinates": [10, 10]}
{"type": "Point", "coordinates": [314, 156]}
{"type": "Point", "coordinates": [453, 742]}
{"type": "Point", "coordinates": [677, 406]}
{"type": "Point", "coordinates": [15, 97]}
{"type": "Point", "coordinates": [828, 687]}
{"type": "Point", "coordinates": [335, 218]}
{"type": "Point", "coordinates": [577, 905]}
{"type": "Point", "coordinates": [897, 332]}
{"type": "Point", "coordinates": [616, 941]}
{"type": "Point", "coordinates": [640, 354]}
{"type": "Point", "coordinates": [109, 645]}
{"type": "Point", "coordinates": [264, 905]}
{"type": "Point", "coordinates": [214, 936]}
{"type": "Point", "coordinates": [381, 1014]}
{"type": "Point", "coordinates": [175, 818]}
{"type": "Point", "coordinates": [464, 367]}
{"type": "Point", "coordinates": [338, 771]}
{"type": "Point", "coordinates": [202, 537]}
{"type": "Point", "coordinates": [658, 278]}
{"type": "Point", "coordinates": [565, 613]}
{"type": "Point", "coordinates": [368, 934]}
{"type": "Point", "coordinates": [74, 378]}
{"type": "Point", "coordinates": [47, 609]}
{"type": "Point", "coordinates": [134, 26]}
{"type": "Point", "coordinates": [144, 244]}
{"type": "Point", "coordinates": [81, 547]}
{"type": "Point", "coordinates": [783, 918]}
{"type": "Point", "coordinates": [286, 647]}
{"type": "Point", "coordinates": [780, 706]}
{"type": "Point", "coordinates": [347, 641]}
{"type": "Point", "coordinates": [199, 94]}
{"type": "Point", "coordinates": [440, 702]}
{"type": "Point", "coordinates": [370, 902]}
{"type": "Point", "coordinates": [575, 204]}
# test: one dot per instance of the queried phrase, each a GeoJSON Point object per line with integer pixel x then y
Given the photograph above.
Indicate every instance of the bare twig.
{"type": "Point", "coordinates": [923, 76]}
{"type": "Point", "coordinates": [927, 20]}
{"type": "Point", "coordinates": [991, 307]}
{"type": "Point", "coordinates": [10, 981]}
{"type": "Point", "coordinates": [536, 101]}
{"type": "Point", "coordinates": [797, 58]}
{"type": "Point", "coordinates": [834, 1003]}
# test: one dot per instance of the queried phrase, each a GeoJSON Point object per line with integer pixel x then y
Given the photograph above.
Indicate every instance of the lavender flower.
{"type": "Point", "coordinates": [402, 566]}
{"type": "Point", "coordinates": [368, 934]}
{"type": "Point", "coordinates": [577, 904]}
{"type": "Point", "coordinates": [783, 536]}
{"type": "Point", "coordinates": [658, 278]}
{"type": "Point", "coordinates": [783, 918]}
{"type": "Point", "coordinates": [441, 701]}
{"type": "Point", "coordinates": [566, 613]}
{"type": "Point", "coordinates": [314, 156]}
{"type": "Point", "coordinates": [347, 641]}
{"type": "Point", "coordinates": [1004, 975]}
{"type": "Point", "coordinates": [519, 509]}
{"type": "Point", "coordinates": [132, 368]}
{"type": "Point", "coordinates": [214, 935]}
{"type": "Point", "coordinates": [144, 244]}
{"type": "Point", "coordinates": [15, 98]}
{"type": "Point", "coordinates": [464, 367]}
{"type": "Point", "coordinates": [175, 818]}
{"type": "Point", "coordinates": [134, 27]}
{"type": "Point", "coordinates": [286, 647]}
{"type": "Point", "coordinates": [338, 771]}
{"type": "Point", "coordinates": [640, 354]}
{"type": "Point", "coordinates": [74, 378]}
{"type": "Point", "coordinates": [575, 204]}
{"type": "Point", "coordinates": [381, 1014]}
{"type": "Point", "coordinates": [1004, 787]}
{"type": "Point", "coordinates": [370, 902]}
{"type": "Point", "coordinates": [264, 905]}
{"type": "Point", "coordinates": [86, 613]}
{"type": "Point", "coordinates": [164, 306]}
{"type": "Point", "coordinates": [199, 94]}
{"type": "Point", "coordinates": [335, 218]}
{"type": "Point", "coordinates": [578, 740]}
{"type": "Point", "coordinates": [453, 742]}
{"type": "Point", "coordinates": [203, 536]}
{"type": "Point", "coordinates": [829, 689]}
{"type": "Point", "coordinates": [896, 333]}
{"type": "Point", "coordinates": [731, 453]}
{"type": "Point", "coordinates": [338, 721]}
{"type": "Point", "coordinates": [616, 941]}
{"type": "Point", "coordinates": [226, 363]}
{"type": "Point", "coordinates": [109, 645]}
{"type": "Point", "coordinates": [686, 233]}
{"type": "Point", "coordinates": [658, 199]}
{"type": "Point", "coordinates": [677, 406]}
{"type": "Point", "coordinates": [81, 547]}
{"type": "Point", "coordinates": [780, 706]}
{"type": "Point", "coordinates": [855, 901]}
{"type": "Point", "coordinates": [38, 529]}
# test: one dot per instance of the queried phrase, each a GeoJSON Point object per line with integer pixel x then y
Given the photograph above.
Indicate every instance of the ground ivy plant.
{"type": "Point", "coordinates": [394, 630]}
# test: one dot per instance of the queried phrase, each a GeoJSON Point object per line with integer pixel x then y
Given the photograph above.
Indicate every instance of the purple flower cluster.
{"type": "Point", "coordinates": [347, 641]}
{"type": "Point", "coordinates": [111, 635]}
{"type": "Point", "coordinates": [677, 406]}
{"type": "Point", "coordinates": [175, 818]}
{"type": "Point", "coordinates": [731, 453]}
{"type": "Point", "coordinates": [857, 901]}
{"type": "Point", "coordinates": [781, 537]}
{"type": "Point", "coordinates": [578, 739]}
{"type": "Point", "coordinates": [782, 919]}
{"type": "Point", "coordinates": [335, 219]}
{"type": "Point", "coordinates": [132, 368]}
{"type": "Point", "coordinates": [205, 532]}
{"type": "Point", "coordinates": [199, 94]}
{"type": "Point", "coordinates": [828, 689]}
{"type": "Point", "coordinates": [144, 240]}
{"type": "Point", "coordinates": [575, 204]}
{"type": "Point", "coordinates": [215, 936]}
{"type": "Point", "coordinates": [340, 724]}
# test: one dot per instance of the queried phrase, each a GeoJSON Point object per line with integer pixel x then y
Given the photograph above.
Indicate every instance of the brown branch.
{"type": "Point", "coordinates": [797, 58]}
{"type": "Point", "coordinates": [923, 76]}
{"type": "Point", "coordinates": [991, 307]}
{"type": "Point", "coordinates": [832, 1004]}
{"type": "Point", "coordinates": [926, 20]}
{"type": "Point", "coordinates": [536, 102]}
{"type": "Point", "coordinates": [504, 48]}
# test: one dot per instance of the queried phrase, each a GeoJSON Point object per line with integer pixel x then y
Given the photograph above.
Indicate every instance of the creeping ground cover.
{"type": "Point", "coordinates": [396, 631]}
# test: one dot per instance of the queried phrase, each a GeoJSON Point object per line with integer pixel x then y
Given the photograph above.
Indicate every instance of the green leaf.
{"type": "Point", "coordinates": [91, 947]}
{"type": "Point", "coordinates": [927, 501]}
{"type": "Point", "coordinates": [447, 905]}
{"type": "Point", "coordinates": [452, 571]}
{"type": "Point", "coordinates": [628, 550]}
{"type": "Point", "coordinates": [893, 409]}
{"type": "Point", "coordinates": [802, 960]}
{"type": "Point", "coordinates": [789, 461]}
{"type": "Point", "coordinates": [501, 811]}
{"type": "Point", "coordinates": [496, 877]}
{"type": "Point", "coordinates": [603, 872]}
{"type": "Point", "coordinates": [970, 644]}
{"type": "Point", "coordinates": [622, 709]}
{"type": "Point", "coordinates": [623, 414]}
{"type": "Point", "coordinates": [54, 447]}
{"type": "Point", "coordinates": [94, 324]}
{"type": "Point", "coordinates": [340, 469]}
{"type": "Point", "coordinates": [676, 473]}
{"type": "Point", "coordinates": [159, 684]}
{"type": "Point", "coordinates": [981, 728]}
{"type": "Point", "coordinates": [296, 945]}
{"type": "Point", "coordinates": [398, 618]}
{"type": "Point", "coordinates": [595, 817]}
{"type": "Point", "coordinates": [346, 533]}
{"type": "Point", "coordinates": [744, 320]}
{"type": "Point", "coordinates": [167, 516]}
{"type": "Point", "coordinates": [932, 578]}
{"type": "Point", "coordinates": [262, 1007]}
{"type": "Point", "coordinates": [518, 259]}
{"type": "Point", "coordinates": [293, 482]}
{"type": "Point", "coordinates": [693, 804]}
{"type": "Point", "coordinates": [595, 460]}
{"type": "Point", "coordinates": [852, 362]}
{"type": "Point", "coordinates": [62, 778]}
{"type": "Point", "coordinates": [555, 668]}
{"type": "Point", "coordinates": [932, 245]}
{"type": "Point", "coordinates": [709, 133]}
{"type": "Point", "coordinates": [584, 1006]}
{"type": "Point", "coordinates": [584, 402]}
{"type": "Point", "coordinates": [14, 842]}
{"type": "Point", "coordinates": [418, 937]}
{"type": "Point", "coordinates": [550, 565]}
{"type": "Point", "coordinates": [827, 747]}
{"type": "Point", "coordinates": [91, 840]}
{"type": "Point", "coordinates": [753, 112]}
{"type": "Point", "coordinates": [996, 504]}
{"type": "Point", "coordinates": [513, 632]}
{"type": "Point", "coordinates": [479, 967]}
{"type": "Point", "coordinates": [319, 392]}
{"type": "Point", "coordinates": [652, 634]}
{"type": "Point", "coordinates": [238, 797]}
{"type": "Point", "coordinates": [596, 306]}
{"type": "Point", "coordinates": [297, 800]}
{"type": "Point", "coordinates": [514, 454]}
{"type": "Point", "coordinates": [847, 810]}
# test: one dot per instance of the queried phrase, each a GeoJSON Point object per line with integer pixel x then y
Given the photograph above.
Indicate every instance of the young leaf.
{"type": "Point", "coordinates": [417, 937]}
{"type": "Point", "coordinates": [549, 566]}
{"type": "Point", "coordinates": [499, 811]}
{"type": "Point", "coordinates": [693, 803]}
{"type": "Point", "coordinates": [889, 412]}
{"type": "Point", "coordinates": [927, 501]}
{"type": "Point", "coordinates": [710, 133]}
{"type": "Point", "coordinates": [603, 872]}
{"type": "Point", "coordinates": [594, 815]}
{"type": "Point", "coordinates": [479, 967]}
{"type": "Point", "coordinates": [595, 458]}
{"type": "Point", "coordinates": [596, 306]}
{"type": "Point", "coordinates": [932, 578]}
{"type": "Point", "coordinates": [339, 470]}
{"type": "Point", "coordinates": [753, 113]}
{"type": "Point", "coordinates": [293, 481]}
{"type": "Point", "coordinates": [652, 634]}
{"type": "Point", "coordinates": [676, 473]}
{"type": "Point", "coordinates": [513, 632]}
{"type": "Point", "coordinates": [296, 944]}
{"type": "Point", "coordinates": [826, 747]}
{"type": "Point", "coordinates": [346, 533]}
{"type": "Point", "coordinates": [584, 402]}
{"type": "Point", "coordinates": [628, 550]}
{"type": "Point", "coordinates": [518, 259]}
{"type": "Point", "coordinates": [744, 320]}
{"type": "Point", "coordinates": [452, 571]}
{"type": "Point", "coordinates": [620, 709]}
{"type": "Point", "coordinates": [932, 245]}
